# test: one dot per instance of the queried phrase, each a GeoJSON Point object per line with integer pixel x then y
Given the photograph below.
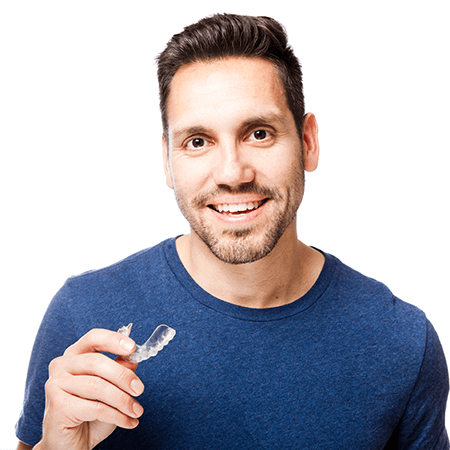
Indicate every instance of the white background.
{"type": "Point", "coordinates": [81, 175]}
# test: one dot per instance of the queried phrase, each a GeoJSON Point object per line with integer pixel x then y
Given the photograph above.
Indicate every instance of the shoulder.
{"type": "Point", "coordinates": [390, 338]}
{"type": "Point", "coordinates": [149, 259]}
{"type": "Point", "coordinates": [369, 309]}
{"type": "Point", "coordinates": [371, 297]}
{"type": "Point", "coordinates": [147, 263]}
{"type": "Point", "coordinates": [95, 298]}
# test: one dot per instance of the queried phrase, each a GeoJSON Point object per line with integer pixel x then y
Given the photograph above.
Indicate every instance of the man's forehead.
{"type": "Point", "coordinates": [228, 85]}
{"type": "Point", "coordinates": [222, 69]}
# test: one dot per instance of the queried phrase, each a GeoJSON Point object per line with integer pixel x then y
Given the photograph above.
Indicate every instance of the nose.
{"type": "Point", "coordinates": [232, 168]}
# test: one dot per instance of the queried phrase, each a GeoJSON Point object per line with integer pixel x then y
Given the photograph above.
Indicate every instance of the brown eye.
{"type": "Point", "coordinates": [196, 143]}
{"type": "Point", "coordinates": [259, 135]}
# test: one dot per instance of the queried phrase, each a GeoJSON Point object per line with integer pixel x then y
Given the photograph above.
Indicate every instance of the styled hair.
{"type": "Point", "coordinates": [229, 35]}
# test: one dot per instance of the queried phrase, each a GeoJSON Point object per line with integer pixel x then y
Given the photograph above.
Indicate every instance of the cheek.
{"type": "Point", "coordinates": [190, 176]}
{"type": "Point", "coordinates": [281, 169]}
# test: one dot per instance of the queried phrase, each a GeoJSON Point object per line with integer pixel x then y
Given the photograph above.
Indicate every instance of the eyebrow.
{"type": "Point", "coordinates": [265, 119]}
{"type": "Point", "coordinates": [248, 123]}
{"type": "Point", "coordinates": [189, 131]}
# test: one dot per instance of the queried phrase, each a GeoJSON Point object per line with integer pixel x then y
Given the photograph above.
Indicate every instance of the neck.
{"type": "Point", "coordinates": [283, 276]}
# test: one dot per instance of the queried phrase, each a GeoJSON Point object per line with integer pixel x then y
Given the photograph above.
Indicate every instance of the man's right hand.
{"type": "Point", "coordinates": [89, 394]}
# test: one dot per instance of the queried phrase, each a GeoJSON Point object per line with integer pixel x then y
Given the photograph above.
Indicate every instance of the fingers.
{"type": "Point", "coordinates": [91, 386]}
{"type": "Point", "coordinates": [62, 398]}
{"type": "Point", "coordinates": [99, 340]}
{"type": "Point", "coordinates": [120, 374]}
{"type": "Point", "coordinates": [104, 394]}
{"type": "Point", "coordinates": [88, 394]}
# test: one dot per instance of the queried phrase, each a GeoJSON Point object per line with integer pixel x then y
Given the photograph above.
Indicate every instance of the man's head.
{"type": "Point", "coordinates": [229, 35]}
{"type": "Point", "coordinates": [235, 149]}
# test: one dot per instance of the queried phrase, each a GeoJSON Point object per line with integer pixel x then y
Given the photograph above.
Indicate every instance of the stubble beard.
{"type": "Point", "coordinates": [240, 246]}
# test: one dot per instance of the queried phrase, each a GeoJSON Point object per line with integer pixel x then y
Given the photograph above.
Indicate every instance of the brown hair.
{"type": "Point", "coordinates": [227, 35]}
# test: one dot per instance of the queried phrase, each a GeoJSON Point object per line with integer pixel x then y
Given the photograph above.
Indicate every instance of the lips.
{"type": "Point", "coordinates": [239, 208]}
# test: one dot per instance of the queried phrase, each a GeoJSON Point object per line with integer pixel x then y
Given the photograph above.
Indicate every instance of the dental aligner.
{"type": "Point", "coordinates": [159, 339]}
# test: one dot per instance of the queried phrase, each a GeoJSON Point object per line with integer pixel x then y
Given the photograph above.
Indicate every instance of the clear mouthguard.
{"type": "Point", "coordinates": [159, 339]}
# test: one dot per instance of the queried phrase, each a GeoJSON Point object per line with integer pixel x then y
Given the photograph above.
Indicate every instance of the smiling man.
{"type": "Point", "coordinates": [236, 163]}
{"type": "Point", "coordinates": [278, 345]}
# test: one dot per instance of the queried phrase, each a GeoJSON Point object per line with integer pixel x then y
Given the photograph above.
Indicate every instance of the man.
{"type": "Point", "coordinates": [278, 344]}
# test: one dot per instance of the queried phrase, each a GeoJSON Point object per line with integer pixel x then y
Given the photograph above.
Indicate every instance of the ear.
{"type": "Point", "coordinates": [165, 155]}
{"type": "Point", "coordinates": [310, 139]}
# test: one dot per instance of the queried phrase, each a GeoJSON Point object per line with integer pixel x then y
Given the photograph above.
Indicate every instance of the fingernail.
{"type": "Point", "coordinates": [134, 422]}
{"type": "Point", "coordinates": [127, 344]}
{"type": "Point", "coordinates": [137, 387]}
{"type": "Point", "coordinates": [138, 409]}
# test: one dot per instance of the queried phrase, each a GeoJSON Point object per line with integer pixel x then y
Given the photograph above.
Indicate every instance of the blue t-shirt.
{"type": "Point", "coordinates": [346, 366]}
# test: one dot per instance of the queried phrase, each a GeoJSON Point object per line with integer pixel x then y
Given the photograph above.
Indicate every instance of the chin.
{"type": "Point", "coordinates": [242, 246]}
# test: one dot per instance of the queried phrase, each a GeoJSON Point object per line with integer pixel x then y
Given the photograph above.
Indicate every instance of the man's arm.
{"type": "Point", "coordinates": [22, 446]}
{"type": "Point", "coordinates": [423, 422]}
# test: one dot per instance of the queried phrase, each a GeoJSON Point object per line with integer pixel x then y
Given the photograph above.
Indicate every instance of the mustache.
{"type": "Point", "coordinates": [248, 188]}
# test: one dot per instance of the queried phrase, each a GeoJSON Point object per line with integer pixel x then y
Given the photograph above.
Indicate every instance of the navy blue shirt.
{"type": "Point", "coordinates": [346, 366]}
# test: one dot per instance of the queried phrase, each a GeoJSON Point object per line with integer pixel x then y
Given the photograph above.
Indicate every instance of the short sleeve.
{"type": "Point", "coordinates": [422, 426]}
{"type": "Point", "coordinates": [54, 336]}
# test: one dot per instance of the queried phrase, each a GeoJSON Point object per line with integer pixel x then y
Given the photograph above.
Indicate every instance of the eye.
{"type": "Point", "coordinates": [196, 143]}
{"type": "Point", "coordinates": [259, 135]}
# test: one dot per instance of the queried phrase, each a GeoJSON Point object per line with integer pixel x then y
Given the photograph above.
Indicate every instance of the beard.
{"type": "Point", "coordinates": [239, 245]}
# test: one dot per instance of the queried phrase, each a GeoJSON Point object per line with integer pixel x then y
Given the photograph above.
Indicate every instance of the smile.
{"type": "Point", "coordinates": [239, 208]}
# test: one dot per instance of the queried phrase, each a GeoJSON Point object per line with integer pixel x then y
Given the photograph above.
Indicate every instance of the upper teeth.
{"type": "Point", "coordinates": [234, 207]}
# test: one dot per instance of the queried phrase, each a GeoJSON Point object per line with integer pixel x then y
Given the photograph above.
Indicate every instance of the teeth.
{"type": "Point", "coordinates": [235, 207]}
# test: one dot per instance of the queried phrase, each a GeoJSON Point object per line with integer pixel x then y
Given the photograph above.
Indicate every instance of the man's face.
{"type": "Point", "coordinates": [235, 157]}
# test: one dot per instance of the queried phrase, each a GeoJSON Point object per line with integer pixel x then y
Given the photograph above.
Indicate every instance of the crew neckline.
{"type": "Point", "coordinates": [242, 312]}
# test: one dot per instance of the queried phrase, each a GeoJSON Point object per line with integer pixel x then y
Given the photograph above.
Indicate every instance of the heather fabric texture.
{"type": "Point", "coordinates": [347, 366]}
